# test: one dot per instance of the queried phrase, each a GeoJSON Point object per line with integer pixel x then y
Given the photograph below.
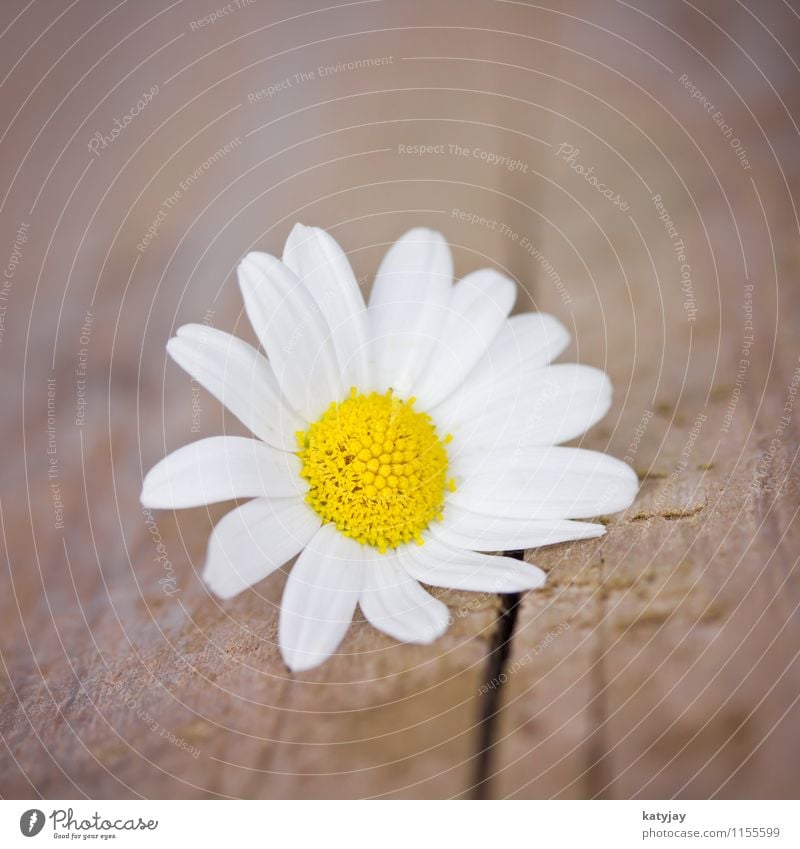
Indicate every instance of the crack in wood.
{"type": "Point", "coordinates": [597, 768]}
{"type": "Point", "coordinates": [491, 692]}
{"type": "Point", "coordinates": [671, 514]}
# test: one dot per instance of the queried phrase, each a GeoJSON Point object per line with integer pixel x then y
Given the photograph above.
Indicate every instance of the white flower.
{"type": "Point", "coordinates": [394, 441]}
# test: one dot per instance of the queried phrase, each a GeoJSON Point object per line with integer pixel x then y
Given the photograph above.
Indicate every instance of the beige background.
{"type": "Point", "coordinates": [678, 672]}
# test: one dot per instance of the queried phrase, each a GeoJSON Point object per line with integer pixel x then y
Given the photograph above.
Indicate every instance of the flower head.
{"type": "Point", "coordinates": [395, 441]}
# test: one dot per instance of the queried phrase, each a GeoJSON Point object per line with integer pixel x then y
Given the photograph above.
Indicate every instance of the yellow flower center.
{"type": "Point", "coordinates": [376, 469]}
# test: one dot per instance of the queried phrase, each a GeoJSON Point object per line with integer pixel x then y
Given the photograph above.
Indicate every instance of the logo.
{"type": "Point", "coordinates": [31, 822]}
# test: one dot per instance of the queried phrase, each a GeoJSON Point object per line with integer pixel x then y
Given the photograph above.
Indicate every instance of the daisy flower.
{"type": "Point", "coordinates": [395, 442]}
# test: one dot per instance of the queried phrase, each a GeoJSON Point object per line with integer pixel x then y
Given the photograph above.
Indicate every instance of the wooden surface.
{"type": "Point", "coordinates": [660, 661]}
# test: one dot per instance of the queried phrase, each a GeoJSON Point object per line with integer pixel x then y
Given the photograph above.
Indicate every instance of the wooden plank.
{"type": "Point", "coordinates": [126, 678]}
{"type": "Point", "coordinates": [678, 674]}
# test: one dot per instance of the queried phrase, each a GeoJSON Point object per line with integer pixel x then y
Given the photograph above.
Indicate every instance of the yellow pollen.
{"type": "Point", "coordinates": [376, 469]}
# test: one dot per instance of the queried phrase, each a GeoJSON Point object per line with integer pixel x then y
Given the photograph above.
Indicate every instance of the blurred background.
{"type": "Point", "coordinates": [633, 166]}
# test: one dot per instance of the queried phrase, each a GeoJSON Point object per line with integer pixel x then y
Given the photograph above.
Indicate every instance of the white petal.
{"type": "Point", "coordinates": [479, 306]}
{"type": "Point", "coordinates": [238, 376]}
{"type": "Point", "coordinates": [443, 566]}
{"type": "Point", "coordinates": [408, 308]}
{"type": "Point", "coordinates": [548, 483]}
{"type": "Point", "coordinates": [320, 597]}
{"type": "Point", "coordinates": [529, 407]}
{"type": "Point", "coordinates": [254, 540]}
{"type": "Point", "coordinates": [530, 339]}
{"type": "Point", "coordinates": [462, 528]}
{"type": "Point", "coordinates": [396, 604]}
{"type": "Point", "coordinates": [293, 333]}
{"type": "Point", "coordinates": [321, 265]}
{"type": "Point", "coordinates": [221, 468]}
